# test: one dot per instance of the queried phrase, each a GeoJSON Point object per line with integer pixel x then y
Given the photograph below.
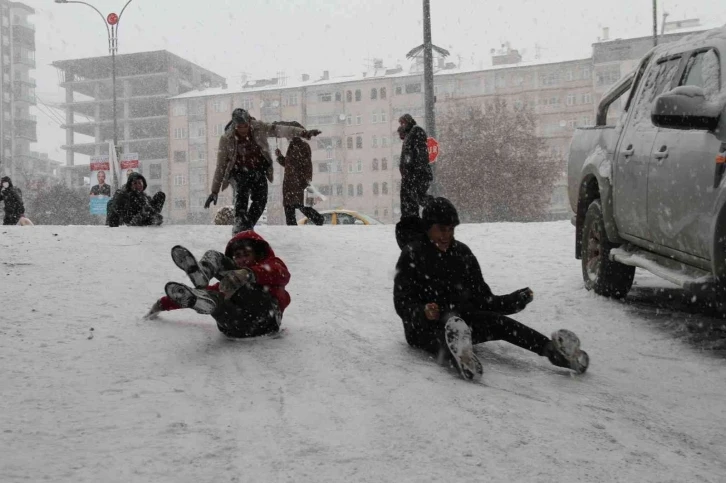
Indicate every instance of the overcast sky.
{"type": "Point", "coordinates": [262, 37]}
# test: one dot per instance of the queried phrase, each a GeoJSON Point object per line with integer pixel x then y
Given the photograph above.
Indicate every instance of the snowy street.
{"type": "Point", "coordinates": [91, 392]}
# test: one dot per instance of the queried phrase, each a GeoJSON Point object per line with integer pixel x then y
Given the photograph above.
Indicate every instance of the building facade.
{"type": "Point", "coordinates": [144, 82]}
{"type": "Point", "coordinates": [18, 128]}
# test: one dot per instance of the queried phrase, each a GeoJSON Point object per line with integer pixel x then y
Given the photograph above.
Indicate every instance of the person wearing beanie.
{"type": "Point", "coordinates": [244, 162]}
{"type": "Point", "coordinates": [13, 200]}
{"type": "Point", "coordinates": [446, 306]}
{"type": "Point", "coordinates": [131, 205]}
{"type": "Point", "coordinates": [416, 175]}
{"type": "Point", "coordinates": [298, 166]}
{"type": "Point", "coordinates": [249, 298]}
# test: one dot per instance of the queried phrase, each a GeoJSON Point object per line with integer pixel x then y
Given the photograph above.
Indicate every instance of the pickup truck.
{"type": "Point", "coordinates": [649, 191]}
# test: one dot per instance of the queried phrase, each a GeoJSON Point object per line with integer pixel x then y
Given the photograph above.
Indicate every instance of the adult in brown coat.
{"type": "Point", "coordinates": [298, 166]}
{"type": "Point", "coordinates": [245, 163]}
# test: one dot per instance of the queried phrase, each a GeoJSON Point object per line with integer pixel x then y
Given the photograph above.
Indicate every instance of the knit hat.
{"type": "Point", "coordinates": [439, 211]}
{"type": "Point", "coordinates": [240, 116]}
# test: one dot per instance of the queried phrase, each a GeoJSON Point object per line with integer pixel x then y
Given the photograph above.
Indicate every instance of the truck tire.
{"type": "Point", "coordinates": [604, 276]}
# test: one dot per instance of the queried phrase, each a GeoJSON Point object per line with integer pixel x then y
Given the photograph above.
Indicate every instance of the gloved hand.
{"type": "Point", "coordinates": [211, 199]}
{"type": "Point", "coordinates": [278, 153]}
{"type": "Point", "coordinates": [309, 134]}
{"type": "Point", "coordinates": [524, 296]}
{"type": "Point", "coordinates": [154, 311]}
{"type": "Point", "coordinates": [234, 279]}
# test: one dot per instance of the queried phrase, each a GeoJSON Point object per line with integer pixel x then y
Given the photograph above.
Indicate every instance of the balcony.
{"type": "Point", "coordinates": [27, 81]}
{"type": "Point", "coordinates": [23, 96]}
{"type": "Point", "coordinates": [26, 129]}
{"type": "Point", "coordinates": [24, 59]}
{"type": "Point", "coordinates": [23, 35]}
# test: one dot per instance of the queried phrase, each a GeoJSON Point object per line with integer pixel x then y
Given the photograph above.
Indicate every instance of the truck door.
{"type": "Point", "coordinates": [682, 172]}
{"type": "Point", "coordinates": [630, 176]}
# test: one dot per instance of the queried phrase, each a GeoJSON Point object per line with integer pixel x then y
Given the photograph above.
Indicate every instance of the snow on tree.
{"type": "Point", "coordinates": [492, 165]}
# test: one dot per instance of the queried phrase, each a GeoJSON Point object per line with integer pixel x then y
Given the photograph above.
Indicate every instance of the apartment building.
{"type": "Point", "coordinates": [144, 82]}
{"type": "Point", "coordinates": [17, 90]}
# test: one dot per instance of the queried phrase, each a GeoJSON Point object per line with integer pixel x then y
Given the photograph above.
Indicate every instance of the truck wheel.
{"type": "Point", "coordinates": [606, 277]}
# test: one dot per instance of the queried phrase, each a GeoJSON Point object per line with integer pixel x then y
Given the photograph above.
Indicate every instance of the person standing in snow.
{"type": "Point", "coordinates": [298, 166]}
{"type": "Point", "coordinates": [416, 175]}
{"type": "Point", "coordinates": [446, 306]}
{"type": "Point", "coordinates": [13, 199]}
{"type": "Point", "coordinates": [244, 161]}
{"type": "Point", "coordinates": [131, 206]}
{"type": "Point", "coordinates": [250, 297]}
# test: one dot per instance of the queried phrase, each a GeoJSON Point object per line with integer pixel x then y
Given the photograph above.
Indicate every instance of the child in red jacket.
{"type": "Point", "coordinates": [250, 297]}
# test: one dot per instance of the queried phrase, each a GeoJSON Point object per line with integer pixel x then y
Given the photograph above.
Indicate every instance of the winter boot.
{"type": "Point", "coordinates": [215, 264]}
{"type": "Point", "coordinates": [458, 339]}
{"type": "Point", "coordinates": [184, 259]}
{"type": "Point", "coordinates": [564, 351]}
{"type": "Point", "coordinates": [190, 298]}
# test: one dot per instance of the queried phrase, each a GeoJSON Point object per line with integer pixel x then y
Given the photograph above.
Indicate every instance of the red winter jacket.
{"type": "Point", "coordinates": [270, 272]}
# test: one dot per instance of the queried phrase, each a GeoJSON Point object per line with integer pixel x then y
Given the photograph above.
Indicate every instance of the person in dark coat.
{"type": "Point", "coordinates": [416, 175]}
{"type": "Point", "coordinates": [250, 297]}
{"type": "Point", "coordinates": [131, 206]}
{"type": "Point", "coordinates": [13, 199]}
{"type": "Point", "coordinates": [298, 166]}
{"type": "Point", "coordinates": [446, 306]}
{"type": "Point", "coordinates": [245, 163]}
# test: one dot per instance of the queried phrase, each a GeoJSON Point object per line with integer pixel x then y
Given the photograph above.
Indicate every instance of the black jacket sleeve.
{"type": "Point", "coordinates": [482, 296]}
{"type": "Point", "coordinates": [408, 230]}
{"type": "Point", "coordinates": [406, 295]}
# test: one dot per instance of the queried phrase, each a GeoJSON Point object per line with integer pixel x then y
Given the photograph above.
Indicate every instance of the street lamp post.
{"type": "Point", "coordinates": [111, 22]}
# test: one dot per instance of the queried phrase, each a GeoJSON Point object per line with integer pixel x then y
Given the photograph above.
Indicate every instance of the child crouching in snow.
{"type": "Point", "coordinates": [250, 297]}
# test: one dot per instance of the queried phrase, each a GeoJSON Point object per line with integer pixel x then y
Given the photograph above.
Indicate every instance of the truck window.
{"type": "Point", "coordinates": [703, 70]}
{"type": "Point", "coordinates": [659, 78]}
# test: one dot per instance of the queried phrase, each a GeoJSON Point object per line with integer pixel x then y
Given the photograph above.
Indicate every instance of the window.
{"type": "Point", "coordinates": [374, 117]}
{"type": "Point", "coordinates": [374, 93]}
{"type": "Point", "coordinates": [325, 97]}
{"type": "Point", "coordinates": [359, 166]}
{"type": "Point", "coordinates": [180, 156]}
{"type": "Point", "coordinates": [384, 188]}
{"type": "Point", "coordinates": [359, 142]}
{"type": "Point", "coordinates": [179, 108]}
{"type": "Point", "coordinates": [375, 188]}
{"type": "Point", "coordinates": [570, 99]}
{"type": "Point", "coordinates": [180, 180]}
{"type": "Point", "coordinates": [155, 170]}
{"type": "Point", "coordinates": [396, 160]}
{"type": "Point", "coordinates": [399, 90]}
{"type": "Point", "coordinates": [413, 88]}
{"type": "Point", "coordinates": [703, 70]}
{"type": "Point", "coordinates": [608, 76]}
{"type": "Point", "coordinates": [384, 164]}
{"type": "Point", "coordinates": [383, 92]}
{"type": "Point", "coordinates": [351, 190]}
{"type": "Point", "coordinates": [374, 165]}
{"type": "Point", "coordinates": [350, 142]}
{"type": "Point", "coordinates": [550, 79]}
{"type": "Point", "coordinates": [197, 130]}
{"type": "Point", "coordinates": [338, 190]}
{"type": "Point", "coordinates": [248, 104]}
{"type": "Point", "coordinates": [220, 105]}
{"type": "Point", "coordinates": [180, 133]}
{"type": "Point", "coordinates": [586, 73]}
{"type": "Point", "coordinates": [338, 97]}
{"type": "Point", "coordinates": [180, 203]}
{"type": "Point", "coordinates": [323, 167]}
{"type": "Point", "coordinates": [374, 141]}
{"type": "Point", "coordinates": [384, 141]}
{"type": "Point", "coordinates": [290, 100]}
{"type": "Point", "coordinates": [219, 129]}
{"type": "Point", "coordinates": [349, 120]}
{"type": "Point", "coordinates": [375, 212]}
{"type": "Point", "coordinates": [383, 116]}
{"type": "Point", "coordinates": [196, 155]}
{"type": "Point", "coordinates": [358, 119]}
{"type": "Point", "coordinates": [339, 143]}
{"type": "Point", "coordinates": [385, 212]}
{"type": "Point", "coordinates": [568, 75]}
{"type": "Point", "coordinates": [329, 152]}
{"type": "Point", "coordinates": [196, 107]}
{"type": "Point", "coordinates": [357, 95]}
{"type": "Point", "coordinates": [349, 96]}
{"type": "Point", "coordinates": [359, 190]}
{"type": "Point", "coordinates": [587, 98]}
{"type": "Point", "coordinates": [658, 79]}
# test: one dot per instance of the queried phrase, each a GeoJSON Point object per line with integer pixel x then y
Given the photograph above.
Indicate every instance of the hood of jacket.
{"type": "Point", "coordinates": [132, 177]}
{"type": "Point", "coordinates": [249, 238]}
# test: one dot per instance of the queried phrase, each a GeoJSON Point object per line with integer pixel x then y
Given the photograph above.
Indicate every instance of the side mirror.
{"type": "Point", "coordinates": [358, 222]}
{"type": "Point", "coordinates": [686, 107]}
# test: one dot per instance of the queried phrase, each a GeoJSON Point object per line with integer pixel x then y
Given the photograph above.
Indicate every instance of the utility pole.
{"type": "Point", "coordinates": [429, 82]}
{"type": "Point", "coordinates": [655, 23]}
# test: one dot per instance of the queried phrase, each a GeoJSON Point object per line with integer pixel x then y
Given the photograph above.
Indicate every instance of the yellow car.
{"type": "Point", "coordinates": [342, 217]}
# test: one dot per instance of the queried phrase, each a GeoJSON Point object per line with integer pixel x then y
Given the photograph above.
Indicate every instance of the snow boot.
{"type": "Point", "coordinates": [564, 351]}
{"type": "Point", "coordinates": [184, 259]}
{"type": "Point", "coordinates": [215, 264]}
{"type": "Point", "coordinates": [458, 339]}
{"type": "Point", "coordinates": [190, 298]}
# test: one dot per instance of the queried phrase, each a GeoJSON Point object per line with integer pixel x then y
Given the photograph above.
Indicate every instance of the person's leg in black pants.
{"type": "Point", "coordinates": [241, 187]}
{"type": "Point", "coordinates": [258, 195]}
{"type": "Point", "coordinates": [413, 194]}
{"type": "Point", "coordinates": [290, 215]}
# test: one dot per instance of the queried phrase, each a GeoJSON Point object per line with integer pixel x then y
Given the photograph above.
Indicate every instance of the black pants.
{"type": "Point", "coordinates": [485, 326]}
{"type": "Point", "coordinates": [249, 312]}
{"type": "Point", "coordinates": [308, 211]}
{"type": "Point", "coordinates": [248, 184]}
{"type": "Point", "coordinates": [11, 219]}
{"type": "Point", "coordinates": [151, 213]}
{"type": "Point", "coordinates": [413, 193]}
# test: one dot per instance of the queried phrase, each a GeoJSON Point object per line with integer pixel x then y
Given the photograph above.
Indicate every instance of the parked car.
{"type": "Point", "coordinates": [649, 191]}
{"type": "Point", "coordinates": [342, 217]}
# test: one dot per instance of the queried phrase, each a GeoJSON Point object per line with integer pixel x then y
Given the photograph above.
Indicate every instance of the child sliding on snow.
{"type": "Point", "coordinates": [446, 306]}
{"type": "Point", "coordinates": [250, 297]}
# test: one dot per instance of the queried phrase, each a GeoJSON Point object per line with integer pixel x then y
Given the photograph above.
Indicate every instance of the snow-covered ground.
{"type": "Point", "coordinates": [90, 392]}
